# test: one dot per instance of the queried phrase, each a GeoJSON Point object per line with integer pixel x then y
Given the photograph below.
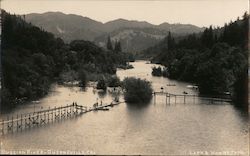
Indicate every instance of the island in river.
{"type": "Point", "coordinates": [153, 129]}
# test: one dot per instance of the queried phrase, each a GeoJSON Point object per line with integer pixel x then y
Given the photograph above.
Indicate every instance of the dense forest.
{"type": "Point", "coordinates": [32, 59]}
{"type": "Point", "coordinates": [215, 59]}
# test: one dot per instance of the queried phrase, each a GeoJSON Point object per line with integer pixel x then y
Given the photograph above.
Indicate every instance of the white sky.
{"type": "Point", "coordinates": [197, 12]}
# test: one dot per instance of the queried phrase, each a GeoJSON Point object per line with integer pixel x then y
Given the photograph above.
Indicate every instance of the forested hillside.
{"type": "Point", "coordinates": [216, 59]}
{"type": "Point", "coordinates": [134, 35]}
{"type": "Point", "coordinates": [32, 59]}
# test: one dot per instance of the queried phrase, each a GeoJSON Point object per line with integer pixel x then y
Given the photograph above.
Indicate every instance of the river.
{"type": "Point", "coordinates": [156, 129]}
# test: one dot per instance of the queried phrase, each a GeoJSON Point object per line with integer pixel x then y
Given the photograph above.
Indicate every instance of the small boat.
{"type": "Point", "coordinates": [35, 101]}
{"type": "Point", "coordinates": [192, 86]}
{"type": "Point", "coordinates": [171, 84]}
{"type": "Point", "coordinates": [227, 93]}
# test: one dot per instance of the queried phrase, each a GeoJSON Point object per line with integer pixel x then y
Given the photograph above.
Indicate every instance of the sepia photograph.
{"type": "Point", "coordinates": [124, 77]}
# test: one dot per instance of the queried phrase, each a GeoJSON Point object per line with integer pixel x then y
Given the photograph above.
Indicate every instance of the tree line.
{"type": "Point", "coordinates": [216, 59]}
{"type": "Point", "coordinates": [32, 59]}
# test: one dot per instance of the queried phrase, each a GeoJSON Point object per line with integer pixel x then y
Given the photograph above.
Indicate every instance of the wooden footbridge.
{"type": "Point", "coordinates": [173, 98]}
{"type": "Point", "coordinates": [38, 118]}
{"type": "Point", "coordinates": [50, 115]}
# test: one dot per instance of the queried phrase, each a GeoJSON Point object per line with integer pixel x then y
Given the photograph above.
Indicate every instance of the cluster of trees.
{"type": "Point", "coordinates": [158, 71]}
{"type": "Point", "coordinates": [114, 81]}
{"type": "Point", "coordinates": [86, 55]}
{"type": "Point", "coordinates": [117, 46]}
{"type": "Point", "coordinates": [129, 57]}
{"type": "Point", "coordinates": [108, 81]}
{"type": "Point", "coordinates": [215, 59]}
{"type": "Point", "coordinates": [137, 90]}
{"type": "Point", "coordinates": [28, 60]}
{"type": "Point", "coordinates": [32, 59]}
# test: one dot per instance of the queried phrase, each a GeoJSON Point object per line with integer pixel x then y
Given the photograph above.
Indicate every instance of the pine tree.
{"type": "Point", "coordinates": [109, 44]}
{"type": "Point", "coordinates": [245, 30]}
{"type": "Point", "coordinates": [170, 41]}
{"type": "Point", "coordinates": [118, 46]}
{"type": "Point", "coordinates": [207, 37]}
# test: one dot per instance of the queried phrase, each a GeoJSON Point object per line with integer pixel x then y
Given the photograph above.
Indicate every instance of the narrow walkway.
{"type": "Point", "coordinates": [38, 118]}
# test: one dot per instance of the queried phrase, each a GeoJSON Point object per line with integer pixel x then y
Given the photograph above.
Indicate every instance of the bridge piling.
{"type": "Point", "coordinates": [186, 96]}
{"type": "Point", "coordinates": [21, 122]}
{"type": "Point", "coordinates": [42, 117]}
{"type": "Point", "coordinates": [12, 123]}
{"type": "Point", "coordinates": [2, 126]}
{"type": "Point", "coordinates": [169, 99]}
{"type": "Point", "coordinates": [166, 99]}
{"type": "Point", "coordinates": [17, 124]}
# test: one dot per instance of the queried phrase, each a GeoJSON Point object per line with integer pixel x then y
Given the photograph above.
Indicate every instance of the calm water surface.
{"type": "Point", "coordinates": [157, 128]}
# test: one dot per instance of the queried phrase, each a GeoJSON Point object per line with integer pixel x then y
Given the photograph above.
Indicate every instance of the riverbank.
{"type": "Point", "coordinates": [238, 90]}
{"type": "Point", "coordinates": [162, 128]}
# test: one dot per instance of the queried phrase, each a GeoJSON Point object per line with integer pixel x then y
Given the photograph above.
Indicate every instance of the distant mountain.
{"type": "Point", "coordinates": [122, 23]}
{"type": "Point", "coordinates": [133, 39]}
{"type": "Point", "coordinates": [68, 27]}
{"type": "Point", "coordinates": [182, 29]}
{"type": "Point", "coordinates": [134, 35]}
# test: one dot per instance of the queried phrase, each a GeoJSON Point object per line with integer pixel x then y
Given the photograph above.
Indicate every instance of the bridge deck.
{"type": "Point", "coordinates": [22, 121]}
{"type": "Point", "coordinates": [194, 96]}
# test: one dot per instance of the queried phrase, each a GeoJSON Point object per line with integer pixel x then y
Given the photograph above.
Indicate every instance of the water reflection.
{"type": "Point", "coordinates": [102, 94]}
{"type": "Point", "coordinates": [137, 106]}
{"type": "Point", "coordinates": [83, 89]}
{"type": "Point", "coordinates": [242, 113]}
{"type": "Point", "coordinates": [152, 129]}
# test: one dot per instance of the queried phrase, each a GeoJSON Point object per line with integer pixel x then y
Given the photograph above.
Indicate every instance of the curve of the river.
{"type": "Point", "coordinates": [156, 129]}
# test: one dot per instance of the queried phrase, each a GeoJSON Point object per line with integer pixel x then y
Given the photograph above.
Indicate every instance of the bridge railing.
{"type": "Point", "coordinates": [38, 118]}
{"type": "Point", "coordinates": [175, 98]}
{"type": "Point", "coordinates": [28, 120]}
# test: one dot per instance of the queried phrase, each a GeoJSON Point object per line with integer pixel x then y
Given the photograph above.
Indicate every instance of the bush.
{"type": "Point", "coordinates": [114, 81]}
{"type": "Point", "coordinates": [164, 72]}
{"type": "Point", "coordinates": [137, 90]}
{"type": "Point", "coordinates": [82, 76]}
{"type": "Point", "coordinates": [156, 71]}
{"type": "Point", "coordinates": [68, 76]}
{"type": "Point", "coordinates": [101, 84]}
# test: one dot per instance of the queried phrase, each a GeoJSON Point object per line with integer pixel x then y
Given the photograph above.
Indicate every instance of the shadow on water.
{"type": "Point", "coordinates": [102, 93]}
{"type": "Point", "coordinates": [12, 107]}
{"type": "Point", "coordinates": [136, 112]}
{"type": "Point", "coordinates": [83, 89]}
{"type": "Point", "coordinates": [137, 106]}
{"type": "Point", "coordinates": [242, 112]}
